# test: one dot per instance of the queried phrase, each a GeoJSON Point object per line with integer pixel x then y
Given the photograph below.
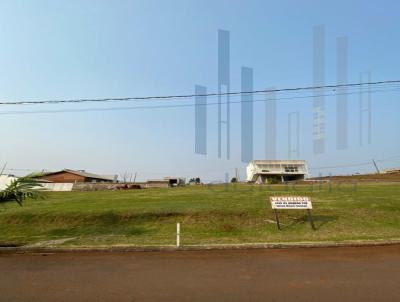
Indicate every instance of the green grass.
{"type": "Point", "coordinates": [216, 214]}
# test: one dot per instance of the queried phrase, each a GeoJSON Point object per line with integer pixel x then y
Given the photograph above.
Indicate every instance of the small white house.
{"type": "Point", "coordinates": [273, 171]}
{"type": "Point", "coordinates": [5, 180]}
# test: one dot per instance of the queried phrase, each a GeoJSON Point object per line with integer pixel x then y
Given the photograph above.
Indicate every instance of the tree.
{"type": "Point", "coordinates": [195, 181]}
{"type": "Point", "coordinates": [20, 189]}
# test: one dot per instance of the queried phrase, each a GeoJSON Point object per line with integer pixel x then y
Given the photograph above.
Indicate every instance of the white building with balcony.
{"type": "Point", "coordinates": [274, 171]}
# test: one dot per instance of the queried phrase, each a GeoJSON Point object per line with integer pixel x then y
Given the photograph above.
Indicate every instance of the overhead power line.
{"type": "Point", "coordinates": [366, 163]}
{"type": "Point", "coordinates": [184, 105]}
{"type": "Point", "coordinates": [166, 97]}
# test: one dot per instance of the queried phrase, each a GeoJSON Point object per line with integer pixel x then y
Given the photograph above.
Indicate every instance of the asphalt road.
{"type": "Point", "coordinates": [331, 274]}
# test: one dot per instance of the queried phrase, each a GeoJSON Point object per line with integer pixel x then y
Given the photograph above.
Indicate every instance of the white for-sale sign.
{"type": "Point", "coordinates": [290, 202]}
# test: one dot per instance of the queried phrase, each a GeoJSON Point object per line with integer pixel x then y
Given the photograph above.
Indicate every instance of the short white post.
{"type": "Point", "coordinates": [178, 234]}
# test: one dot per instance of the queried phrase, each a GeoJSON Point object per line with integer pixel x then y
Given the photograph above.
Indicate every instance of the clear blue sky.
{"type": "Point", "coordinates": [94, 49]}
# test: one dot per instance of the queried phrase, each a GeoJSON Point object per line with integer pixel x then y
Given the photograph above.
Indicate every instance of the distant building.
{"type": "Point", "coordinates": [75, 176]}
{"type": "Point", "coordinates": [273, 171]}
{"type": "Point", "coordinates": [156, 183]}
{"type": "Point", "coordinates": [175, 181]}
{"type": "Point", "coordinates": [392, 171]}
{"type": "Point", "coordinates": [166, 182]}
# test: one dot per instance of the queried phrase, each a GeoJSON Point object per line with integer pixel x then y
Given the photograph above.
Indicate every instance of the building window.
{"type": "Point", "coordinates": [289, 169]}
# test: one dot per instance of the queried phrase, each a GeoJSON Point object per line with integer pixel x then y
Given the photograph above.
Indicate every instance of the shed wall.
{"type": "Point", "coordinates": [64, 177]}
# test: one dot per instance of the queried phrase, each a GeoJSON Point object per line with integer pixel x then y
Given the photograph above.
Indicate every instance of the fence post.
{"type": "Point", "coordinates": [178, 234]}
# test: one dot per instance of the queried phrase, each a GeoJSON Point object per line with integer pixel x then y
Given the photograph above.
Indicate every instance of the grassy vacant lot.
{"type": "Point", "coordinates": [216, 214]}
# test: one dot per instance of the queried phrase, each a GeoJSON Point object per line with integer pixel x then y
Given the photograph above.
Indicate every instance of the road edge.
{"type": "Point", "coordinates": [171, 248]}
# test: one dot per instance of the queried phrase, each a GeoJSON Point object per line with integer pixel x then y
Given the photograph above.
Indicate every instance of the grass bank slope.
{"type": "Point", "coordinates": [208, 214]}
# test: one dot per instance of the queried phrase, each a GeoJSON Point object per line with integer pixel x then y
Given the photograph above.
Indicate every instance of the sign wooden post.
{"type": "Point", "coordinates": [310, 219]}
{"type": "Point", "coordinates": [291, 203]}
{"type": "Point", "coordinates": [277, 219]}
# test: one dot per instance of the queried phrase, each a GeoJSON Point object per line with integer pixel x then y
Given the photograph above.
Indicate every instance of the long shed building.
{"type": "Point", "coordinates": [75, 176]}
{"type": "Point", "coordinates": [274, 171]}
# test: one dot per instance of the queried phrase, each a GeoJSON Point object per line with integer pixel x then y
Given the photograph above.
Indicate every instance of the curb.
{"type": "Point", "coordinates": [171, 248]}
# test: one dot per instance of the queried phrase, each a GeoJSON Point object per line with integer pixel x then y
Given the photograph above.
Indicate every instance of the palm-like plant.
{"type": "Point", "coordinates": [20, 189]}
